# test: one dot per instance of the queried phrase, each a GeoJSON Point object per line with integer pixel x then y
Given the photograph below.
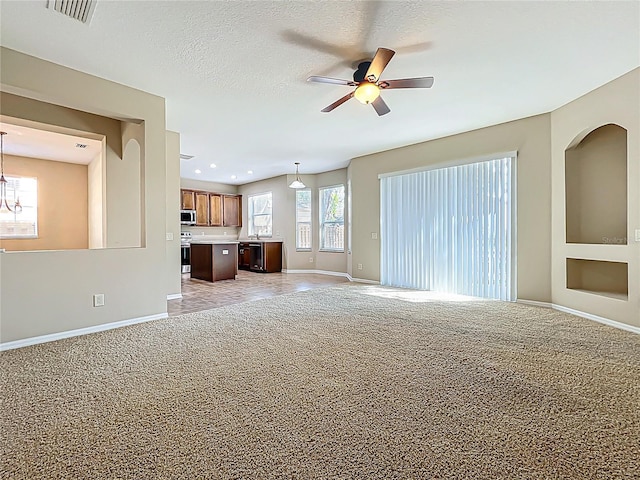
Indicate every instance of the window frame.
{"type": "Point", "coordinates": [310, 222]}
{"type": "Point", "coordinates": [322, 223]}
{"type": "Point", "coordinates": [251, 215]}
{"type": "Point", "coordinates": [12, 178]}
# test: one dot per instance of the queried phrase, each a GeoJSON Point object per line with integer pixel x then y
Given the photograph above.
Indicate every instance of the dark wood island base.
{"type": "Point", "coordinates": [214, 261]}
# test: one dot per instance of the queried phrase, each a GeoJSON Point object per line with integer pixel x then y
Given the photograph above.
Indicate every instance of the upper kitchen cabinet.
{"type": "Point", "coordinates": [215, 209]}
{"type": "Point", "coordinates": [232, 210]}
{"type": "Point", "coordinates": [187, 200]}
{"type": "Point", "coordinates": [202, 209]}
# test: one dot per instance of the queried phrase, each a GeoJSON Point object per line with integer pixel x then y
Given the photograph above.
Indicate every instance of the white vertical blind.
{"type": "Point", "coordinates": [449, 230]}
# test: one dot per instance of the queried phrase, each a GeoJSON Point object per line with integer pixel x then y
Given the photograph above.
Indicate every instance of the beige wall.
{"type": "Point", "coordinates": [530, 137]}
{"type": "Point", "coordinates": [616, 102]}
{"type": "Point", "coordinates": [51, 291]}
{"type": "Point", "coordinates": [173, 262]}
{"type": "Point", "coordinates": [62, 204]}
{"type": "Point", "coordinates": [284, 222]}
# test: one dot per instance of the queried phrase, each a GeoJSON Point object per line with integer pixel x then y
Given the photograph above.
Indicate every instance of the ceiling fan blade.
{"type": "Point", "coordinates": [378, 64]}
{"type": "Point", "coordinates": [335, 81]}
{"type": "Point", "coordinates": [422, 82]}
{"type": "Point", "coordinates": [380, 106]}
{"type": "Point", "coordinates": [337, 103]}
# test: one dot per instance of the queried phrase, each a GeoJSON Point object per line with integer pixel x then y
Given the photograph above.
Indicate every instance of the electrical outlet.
{"type": "Point", "coordinates": [359, 266]}
{"type": "Point", "coordinates": [310, 259]}
{"type": "Point", "coordinates": [374, 235]}
{"type": "Point", "coordinates": [98, 300]}
{"type": "Point", "coordinates": [277, 233]}
{"type": "Point", "coordinates": [637, 234]}
{"type": "Point", "coordinates": [169, 236]}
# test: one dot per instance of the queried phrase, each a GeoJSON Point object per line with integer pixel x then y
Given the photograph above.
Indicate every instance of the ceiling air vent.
{"type": "Point", "coordinates": [79, 9]}
{"type": "Point", "coordinates": [185, 157]}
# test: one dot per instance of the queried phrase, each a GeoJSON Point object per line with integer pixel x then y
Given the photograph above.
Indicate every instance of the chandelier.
{"type": "Point", "coordinates": [4, 201]}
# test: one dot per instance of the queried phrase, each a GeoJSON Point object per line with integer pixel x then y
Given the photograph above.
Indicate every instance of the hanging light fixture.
{"type": "Point", "coordinates": [297, 183]}
{"type": "Point", "coordinates": [4, 201]}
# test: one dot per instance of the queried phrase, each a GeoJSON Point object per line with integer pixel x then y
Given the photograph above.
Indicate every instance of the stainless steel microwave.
{"type": "Point", "coordinates": [187, 217]}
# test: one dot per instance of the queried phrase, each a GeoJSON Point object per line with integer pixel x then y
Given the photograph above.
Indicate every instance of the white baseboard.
{"type": "Point", "coordinates": [320, 272]}
{"type": "Point", "coordinates": [174, 296]}
{"type": "Point", "coordinates": [596, 318]}
{"type": "Point", "coordinates": [535, 303]}
{"type": "Point", "coordinates": [362, 280]}
{"type": "Point", "coordinates": [80, 331]}
{"type": "Point", "coordinates": [335, 274]}
{"type": "Point", "coordinates": [588, 316]}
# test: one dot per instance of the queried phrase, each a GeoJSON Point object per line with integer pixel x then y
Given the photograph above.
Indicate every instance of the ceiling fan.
{"type": "Point", "coordinates": [367, 81]}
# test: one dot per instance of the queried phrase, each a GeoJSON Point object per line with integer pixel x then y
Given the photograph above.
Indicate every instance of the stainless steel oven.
{"type": "Point", "coordinates": [185, 251]}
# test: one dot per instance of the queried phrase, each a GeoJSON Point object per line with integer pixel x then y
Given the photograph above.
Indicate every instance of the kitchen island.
{"type": "Point", "coordinates": [214, 260]}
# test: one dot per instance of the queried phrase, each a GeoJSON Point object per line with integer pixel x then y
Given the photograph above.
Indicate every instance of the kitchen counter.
{"type": "Point", "coordinates": [260, 240]}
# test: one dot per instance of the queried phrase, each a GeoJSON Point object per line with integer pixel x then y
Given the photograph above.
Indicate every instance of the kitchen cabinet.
{"type": "Point", "coordinates": [202, 208]}
{"type": "Point", "coordinates": [232, 210]}
{"type": "Point", "coordinates": [187, 200]}
{"type": "Point", "coordinates": [265, 256]}
{"type": "Point", "coordinates": [213, 261]}
{"type": "Point", "coordinates": [215, 209]}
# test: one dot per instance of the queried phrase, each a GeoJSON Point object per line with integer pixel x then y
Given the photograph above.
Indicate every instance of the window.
{"type": "Point", "coordinates": [260, 215]}
{"type": "Point", "coordinates": [25, 223]}
{"type": "Point", "coordinates": [332, 219]}
{"type": "Point", "coordinates": [303, 219]}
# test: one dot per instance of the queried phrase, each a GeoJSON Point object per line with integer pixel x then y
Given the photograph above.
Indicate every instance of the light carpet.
{"type": "Point", "coordinates": [346, 382]}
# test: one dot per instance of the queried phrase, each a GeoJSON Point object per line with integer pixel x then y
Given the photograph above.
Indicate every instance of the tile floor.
{"type": "Point", "coordinates": [199, 295]}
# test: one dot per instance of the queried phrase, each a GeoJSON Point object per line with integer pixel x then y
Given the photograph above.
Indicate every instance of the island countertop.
{"type": "Point", "coordinates": [214, 242]}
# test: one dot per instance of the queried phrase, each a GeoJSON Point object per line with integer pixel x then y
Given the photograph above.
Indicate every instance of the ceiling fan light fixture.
{"type": "Point", "coordinates": [297, 183]}
{"type": "Point", "coordinates": [367, 92]}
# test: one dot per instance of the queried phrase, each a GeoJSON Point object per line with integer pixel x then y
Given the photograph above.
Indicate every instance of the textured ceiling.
{"type": "Point", "coordinates": [234, 73]}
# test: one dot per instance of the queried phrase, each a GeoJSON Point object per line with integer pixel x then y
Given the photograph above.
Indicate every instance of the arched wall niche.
{"type": "Point", "coordinates": [596, 187]}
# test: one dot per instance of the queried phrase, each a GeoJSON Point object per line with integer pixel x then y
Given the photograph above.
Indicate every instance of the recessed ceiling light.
{"type": "Point", "coordinates": [213, 165]}
{"type": "Point", "coordinates": [250, 172]}
{"type": "Point", "coordinates": [233, 177]}
{"type": "Point", "coordinates": [198, 170]}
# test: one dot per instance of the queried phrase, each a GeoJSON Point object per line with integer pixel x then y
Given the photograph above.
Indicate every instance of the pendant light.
{"type": "Point", "coordinates": [4, 202]}
{"type": "Point", "coordinates": [297, 183]}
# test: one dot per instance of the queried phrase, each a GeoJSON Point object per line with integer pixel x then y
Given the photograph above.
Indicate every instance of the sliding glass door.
{"type": "Point", "coordinates": [450, 229]}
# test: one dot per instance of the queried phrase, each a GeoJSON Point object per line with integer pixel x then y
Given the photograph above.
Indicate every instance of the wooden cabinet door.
{"type": "Point", "coordinates": [187, 200]}
{"type": "Point", "coordinates": [215, 209]}
{"type": "Point", "coordinates": [232, 210]}
{"type": "Point", "coordinates": [202, 209]}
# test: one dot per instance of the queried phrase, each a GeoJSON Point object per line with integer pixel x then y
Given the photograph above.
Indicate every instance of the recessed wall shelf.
{"type": "Point", "coordinates": [596, 188]}
{"type": "Point", "coordinates": [598, 277]}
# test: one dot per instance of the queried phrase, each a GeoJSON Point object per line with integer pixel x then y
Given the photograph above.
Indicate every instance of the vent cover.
{"type": "Point", "coordinates": [185, 157]}
{"type": "Point", "coordinates": [78, 9]}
